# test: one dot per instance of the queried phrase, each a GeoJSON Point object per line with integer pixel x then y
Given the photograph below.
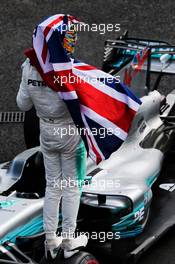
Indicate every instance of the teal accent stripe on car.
{"type": "Point", "coordinates": [129, 222]}
{"type": "Point", "coordinates": [33, 227]}
{"type": "Point", "coordinates": [7, 203]}
{"type": "Point", "coordinates": [152, 179]}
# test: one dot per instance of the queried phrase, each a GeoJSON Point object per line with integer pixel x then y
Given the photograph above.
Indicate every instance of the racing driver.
{"type": "Point", "coordinates": [64, 157]}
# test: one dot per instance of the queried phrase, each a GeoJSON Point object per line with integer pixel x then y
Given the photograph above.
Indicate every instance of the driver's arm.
{"type": "Point", "coordinates": [23, 98]}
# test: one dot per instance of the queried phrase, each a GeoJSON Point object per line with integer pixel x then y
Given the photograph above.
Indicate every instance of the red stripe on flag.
{"type": "Point", "coordinates": [98, 157]}
{"type": "Point", "coordinates": [57, 82]}
{"type": "Point", "coordinates": [67, 80]}
{"type": "Point", "coordinates": [49, 26]}
{"type": "Point", "coordinates": [85, 67]}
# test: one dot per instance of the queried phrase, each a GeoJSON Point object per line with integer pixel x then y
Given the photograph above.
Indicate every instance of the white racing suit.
{"type": "Point", "coordinates": [64, 155]}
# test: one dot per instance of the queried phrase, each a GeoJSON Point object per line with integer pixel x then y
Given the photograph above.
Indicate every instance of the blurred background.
{"type": "Point", "coordinates": [149, 19]}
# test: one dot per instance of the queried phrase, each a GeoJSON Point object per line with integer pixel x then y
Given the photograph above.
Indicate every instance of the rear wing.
{"type": "Point", "coordinates": [123, 57]}
{"type": "Point", "coordinates": [129, 45]}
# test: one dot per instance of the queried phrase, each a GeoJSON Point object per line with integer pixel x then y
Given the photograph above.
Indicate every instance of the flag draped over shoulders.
{"type": "Point", "coordinates": [100, 106]}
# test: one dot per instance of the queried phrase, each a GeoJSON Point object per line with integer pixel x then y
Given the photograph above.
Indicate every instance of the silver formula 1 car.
{"type": "Point", "coordinates": [127, 201]}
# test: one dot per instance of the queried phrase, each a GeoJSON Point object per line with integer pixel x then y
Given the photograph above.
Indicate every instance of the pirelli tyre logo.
{"type": "Point", "coordinates": [170, 187]}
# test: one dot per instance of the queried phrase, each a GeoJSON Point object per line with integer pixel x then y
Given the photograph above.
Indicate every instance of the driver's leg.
{"type": "Point", "coordinates": [52, 163]}
{"type": "Point", "coordinates": [73, 171]}
{"type": "Point", "coordinates": [52, 201]}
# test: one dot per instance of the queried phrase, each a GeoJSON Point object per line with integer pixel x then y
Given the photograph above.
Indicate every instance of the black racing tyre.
{"type": "Point", "coordinates": [31, 129]}
{"type": "Point", "coordinates": [79, 258]}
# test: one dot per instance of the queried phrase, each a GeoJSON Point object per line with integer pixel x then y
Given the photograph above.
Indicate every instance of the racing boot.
{"type": "Point", "coordinates": [52, 247]}
{"type": "Point", "coordinates": [72, 246]}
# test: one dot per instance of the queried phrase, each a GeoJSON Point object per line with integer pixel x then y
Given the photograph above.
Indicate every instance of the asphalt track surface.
{"type": "Point", "coordinates": [149, 19]}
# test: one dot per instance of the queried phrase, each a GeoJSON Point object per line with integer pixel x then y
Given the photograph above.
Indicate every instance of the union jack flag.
{"type": "Point", "coordinates": [98, 103]}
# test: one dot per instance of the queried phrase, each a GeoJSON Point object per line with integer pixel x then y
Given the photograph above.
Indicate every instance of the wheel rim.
{"type": "Point", "coordinates": [92, 261]}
